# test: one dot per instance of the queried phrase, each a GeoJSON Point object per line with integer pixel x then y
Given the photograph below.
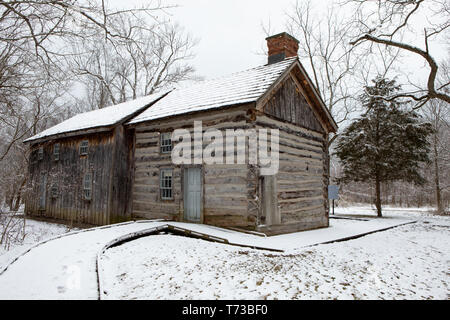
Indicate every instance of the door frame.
{"type": "Point", "coordinates": [202, 191]}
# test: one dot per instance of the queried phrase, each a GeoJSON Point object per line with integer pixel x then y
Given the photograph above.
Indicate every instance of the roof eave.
{"type": "Point", "coordinates": [71, 134]}
{"type": "Point", "coordinates": [296, 62]}
{"type": "Point", "coordinates": [92, 130]}
{"type": "Point", "coordinates": [235, 105]}
{"type": "Point", "coordinates": [331, 120]}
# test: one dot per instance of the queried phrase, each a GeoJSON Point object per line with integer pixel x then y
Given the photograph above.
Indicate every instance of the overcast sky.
{"type": "Point", "coordinates": [231, 37]}
{"type": "Point", "coordinates": [230, 32]}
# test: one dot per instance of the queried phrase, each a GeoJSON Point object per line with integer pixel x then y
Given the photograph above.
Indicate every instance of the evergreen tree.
{"type": "Point", "coordinates": [387, 143]}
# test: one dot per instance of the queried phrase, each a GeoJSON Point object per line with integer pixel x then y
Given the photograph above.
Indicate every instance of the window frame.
{"type": "Point", "coordinates": [165, 148]}
{"type": "Point", "coordinates": [163, 188]}
{"type": "Point", "coordinates": [82, 146]}
{"type": "Point", "coordinates": [40, 153]}
{"type": "Point", "coordinates": [56, 154]}
{"type": "Point", "coordinates": [54, 191]}
{"type": "Point", "coordinates": [87, 196]}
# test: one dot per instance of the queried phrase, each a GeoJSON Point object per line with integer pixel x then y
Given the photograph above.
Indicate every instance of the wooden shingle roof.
{"type": "Point", "coordinates": [238, 88]}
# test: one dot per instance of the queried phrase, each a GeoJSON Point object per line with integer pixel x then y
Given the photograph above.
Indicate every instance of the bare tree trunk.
{"type": "Point", "coordinates": [16, 197]}
{"type": "Point", "coordinates": [378, 196]}
{"type": "Point", "coordinates": [439, 206]}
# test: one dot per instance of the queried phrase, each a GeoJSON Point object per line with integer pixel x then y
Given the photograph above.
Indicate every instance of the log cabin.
{"type": "Point", "coordinates": [116, 164]}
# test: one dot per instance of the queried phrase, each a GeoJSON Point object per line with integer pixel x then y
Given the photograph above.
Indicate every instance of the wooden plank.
{"type": "Point", "coordinates": [267, 121]}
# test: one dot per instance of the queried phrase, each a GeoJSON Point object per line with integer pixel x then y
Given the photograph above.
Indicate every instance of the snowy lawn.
{"type": "Point", "coordinates": [35, 231]}
{"type": "Point", "coordinates": [407, 262]}
{"type": "Point", "coordinates": [411, 261]}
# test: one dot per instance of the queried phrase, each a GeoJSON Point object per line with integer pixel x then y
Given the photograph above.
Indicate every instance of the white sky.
{"type": "Point", "coordinates": [231, 36]}
{"type": "Point", "coordinates": [230, 32]}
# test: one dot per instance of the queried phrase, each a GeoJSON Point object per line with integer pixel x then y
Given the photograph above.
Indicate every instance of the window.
{"type": "Point", "coordinates": [87, 186]}
{"type": "Point", "coordinates": [166, 142]}
{"type": "Point", "coordinates": [54, 192]}
{"type": "Point", "coordinates": [84, 147]}
{"type": "Point", "coordinates": [56, 151]}
{"type": "Point", "coordinates": [41, 153]}
{"type": "Point", "coordinates": [166, 184]}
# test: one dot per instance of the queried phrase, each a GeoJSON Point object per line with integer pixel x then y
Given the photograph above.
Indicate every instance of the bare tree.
{"type": "Point", "coordinates": [326, 53]}
{"type": "Point", "coordinates": [147, 61]}
{"type": "Point", "coordinates": [128, 52]}
{"type": "Point", "coordinates": [35, 43]}
{"type": "Point", "coordinates": [389, 23]}
{"type": "Point", "coordinates": [46, 23]}
{"type": "Point", "coordinates": [438, 114]}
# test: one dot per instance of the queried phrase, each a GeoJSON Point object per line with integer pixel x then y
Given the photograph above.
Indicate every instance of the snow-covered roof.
{"type": "Point", "coordinates": [238, 88]}
{"type": "Point", "coordinates": [241, 87]}
{"type": "Point", "coordinates": [104, 117]}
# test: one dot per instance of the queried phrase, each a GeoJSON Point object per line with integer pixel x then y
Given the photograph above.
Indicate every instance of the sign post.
{"type": "Point", "coordinates": [333, 193]}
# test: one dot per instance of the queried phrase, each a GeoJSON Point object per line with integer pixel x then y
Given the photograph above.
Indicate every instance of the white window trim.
{"type": "Point", "coordinates": [85, 195]}
{"type": "Point", "coordinates": [82, 147]}
{"type": "Point", "coordinates": [56, 154]}
{"type": "Point", "coordinates": [53, 193]}
{"type": "Point", "coordinates": [163, 188]}
{"type": "Point", "coordinates": [163, 146]}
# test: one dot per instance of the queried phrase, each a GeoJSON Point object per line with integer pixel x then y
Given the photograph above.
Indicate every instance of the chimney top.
{"type": "Point", "coordinates": [281, 46]}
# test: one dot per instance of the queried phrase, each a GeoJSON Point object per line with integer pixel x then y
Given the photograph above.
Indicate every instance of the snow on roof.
{"type": "Point", "coordinates": [99, 118]}
{"type": "Point", "coordinates": [241, 87]}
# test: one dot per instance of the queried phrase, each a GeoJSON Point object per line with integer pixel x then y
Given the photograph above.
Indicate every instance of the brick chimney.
{"type": "Point", "coordinates": [281, 46]}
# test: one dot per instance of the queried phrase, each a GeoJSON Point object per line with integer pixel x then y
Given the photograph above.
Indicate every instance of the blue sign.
{"type": "Point", "coordinates": [333, 192]}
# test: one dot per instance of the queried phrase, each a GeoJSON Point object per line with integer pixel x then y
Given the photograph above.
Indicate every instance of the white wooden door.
{"type": "Point", "coordinates": [192, 194]}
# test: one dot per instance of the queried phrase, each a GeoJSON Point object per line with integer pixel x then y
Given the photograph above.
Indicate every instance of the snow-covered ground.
{"type": "Point", "coordinates": [408, 262]}
{"type": "Point", "coordinates": [35, 231]}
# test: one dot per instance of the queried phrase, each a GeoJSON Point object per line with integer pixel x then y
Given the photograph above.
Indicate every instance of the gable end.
{"type": "Point", "coordinates": [289, 104]}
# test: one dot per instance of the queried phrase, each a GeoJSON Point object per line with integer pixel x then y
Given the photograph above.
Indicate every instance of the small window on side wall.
{"type": "Point", "coordinates": [56, 151]}
{"type": "Point", "coordinates": [84, 146]}
{"type": "Point", "coordinates": [166, 184]}
{"type": "Point", "coordinates": [87, 186]}
{"type": "Point", "coordinates": [41, 153]}
{"type": "Point", "coordinates": [166, 142]}
{"type": "Point", "coordinates": [54, 191]}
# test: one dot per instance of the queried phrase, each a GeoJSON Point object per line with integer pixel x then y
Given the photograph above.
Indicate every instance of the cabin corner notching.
{"type": "Point", "coordinates": [122, 168]}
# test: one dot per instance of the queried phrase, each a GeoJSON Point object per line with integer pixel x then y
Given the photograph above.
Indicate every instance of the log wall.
{"type": "Point", "coordinates": [302, 179]}
{"type": "Point", "coordinates": [224, 186]}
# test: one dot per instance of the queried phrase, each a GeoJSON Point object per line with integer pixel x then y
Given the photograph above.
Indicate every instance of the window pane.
{"type": "Point", "coordinates": [166, 184]}
{"type": "Point", "coordinates": [166, 142]}
{"type": "Point", "coordinates": [87, 186]}
{"type": "Point", "coordinates": [84, 147]}
{"type": "Point", "coordinates": [87, 181]}
{"type": "Point", "coordinates": [54, 191]}
{"type": "Point", "coordinates": [56, 151]}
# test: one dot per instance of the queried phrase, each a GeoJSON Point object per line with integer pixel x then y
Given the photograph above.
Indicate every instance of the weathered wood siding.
{"type": "Point", "coordinates": [120, 178]}
{"type": "Point", "coordinates": [301, 176]}
{"type": "Point", "coordinates": [106, 161]}
{"type": "Point", "coordinates": [224, 186]}
{"type": "Point", "coordinates": [288, 104]}
{"type": "Point", "coordinates": [302, 179]}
